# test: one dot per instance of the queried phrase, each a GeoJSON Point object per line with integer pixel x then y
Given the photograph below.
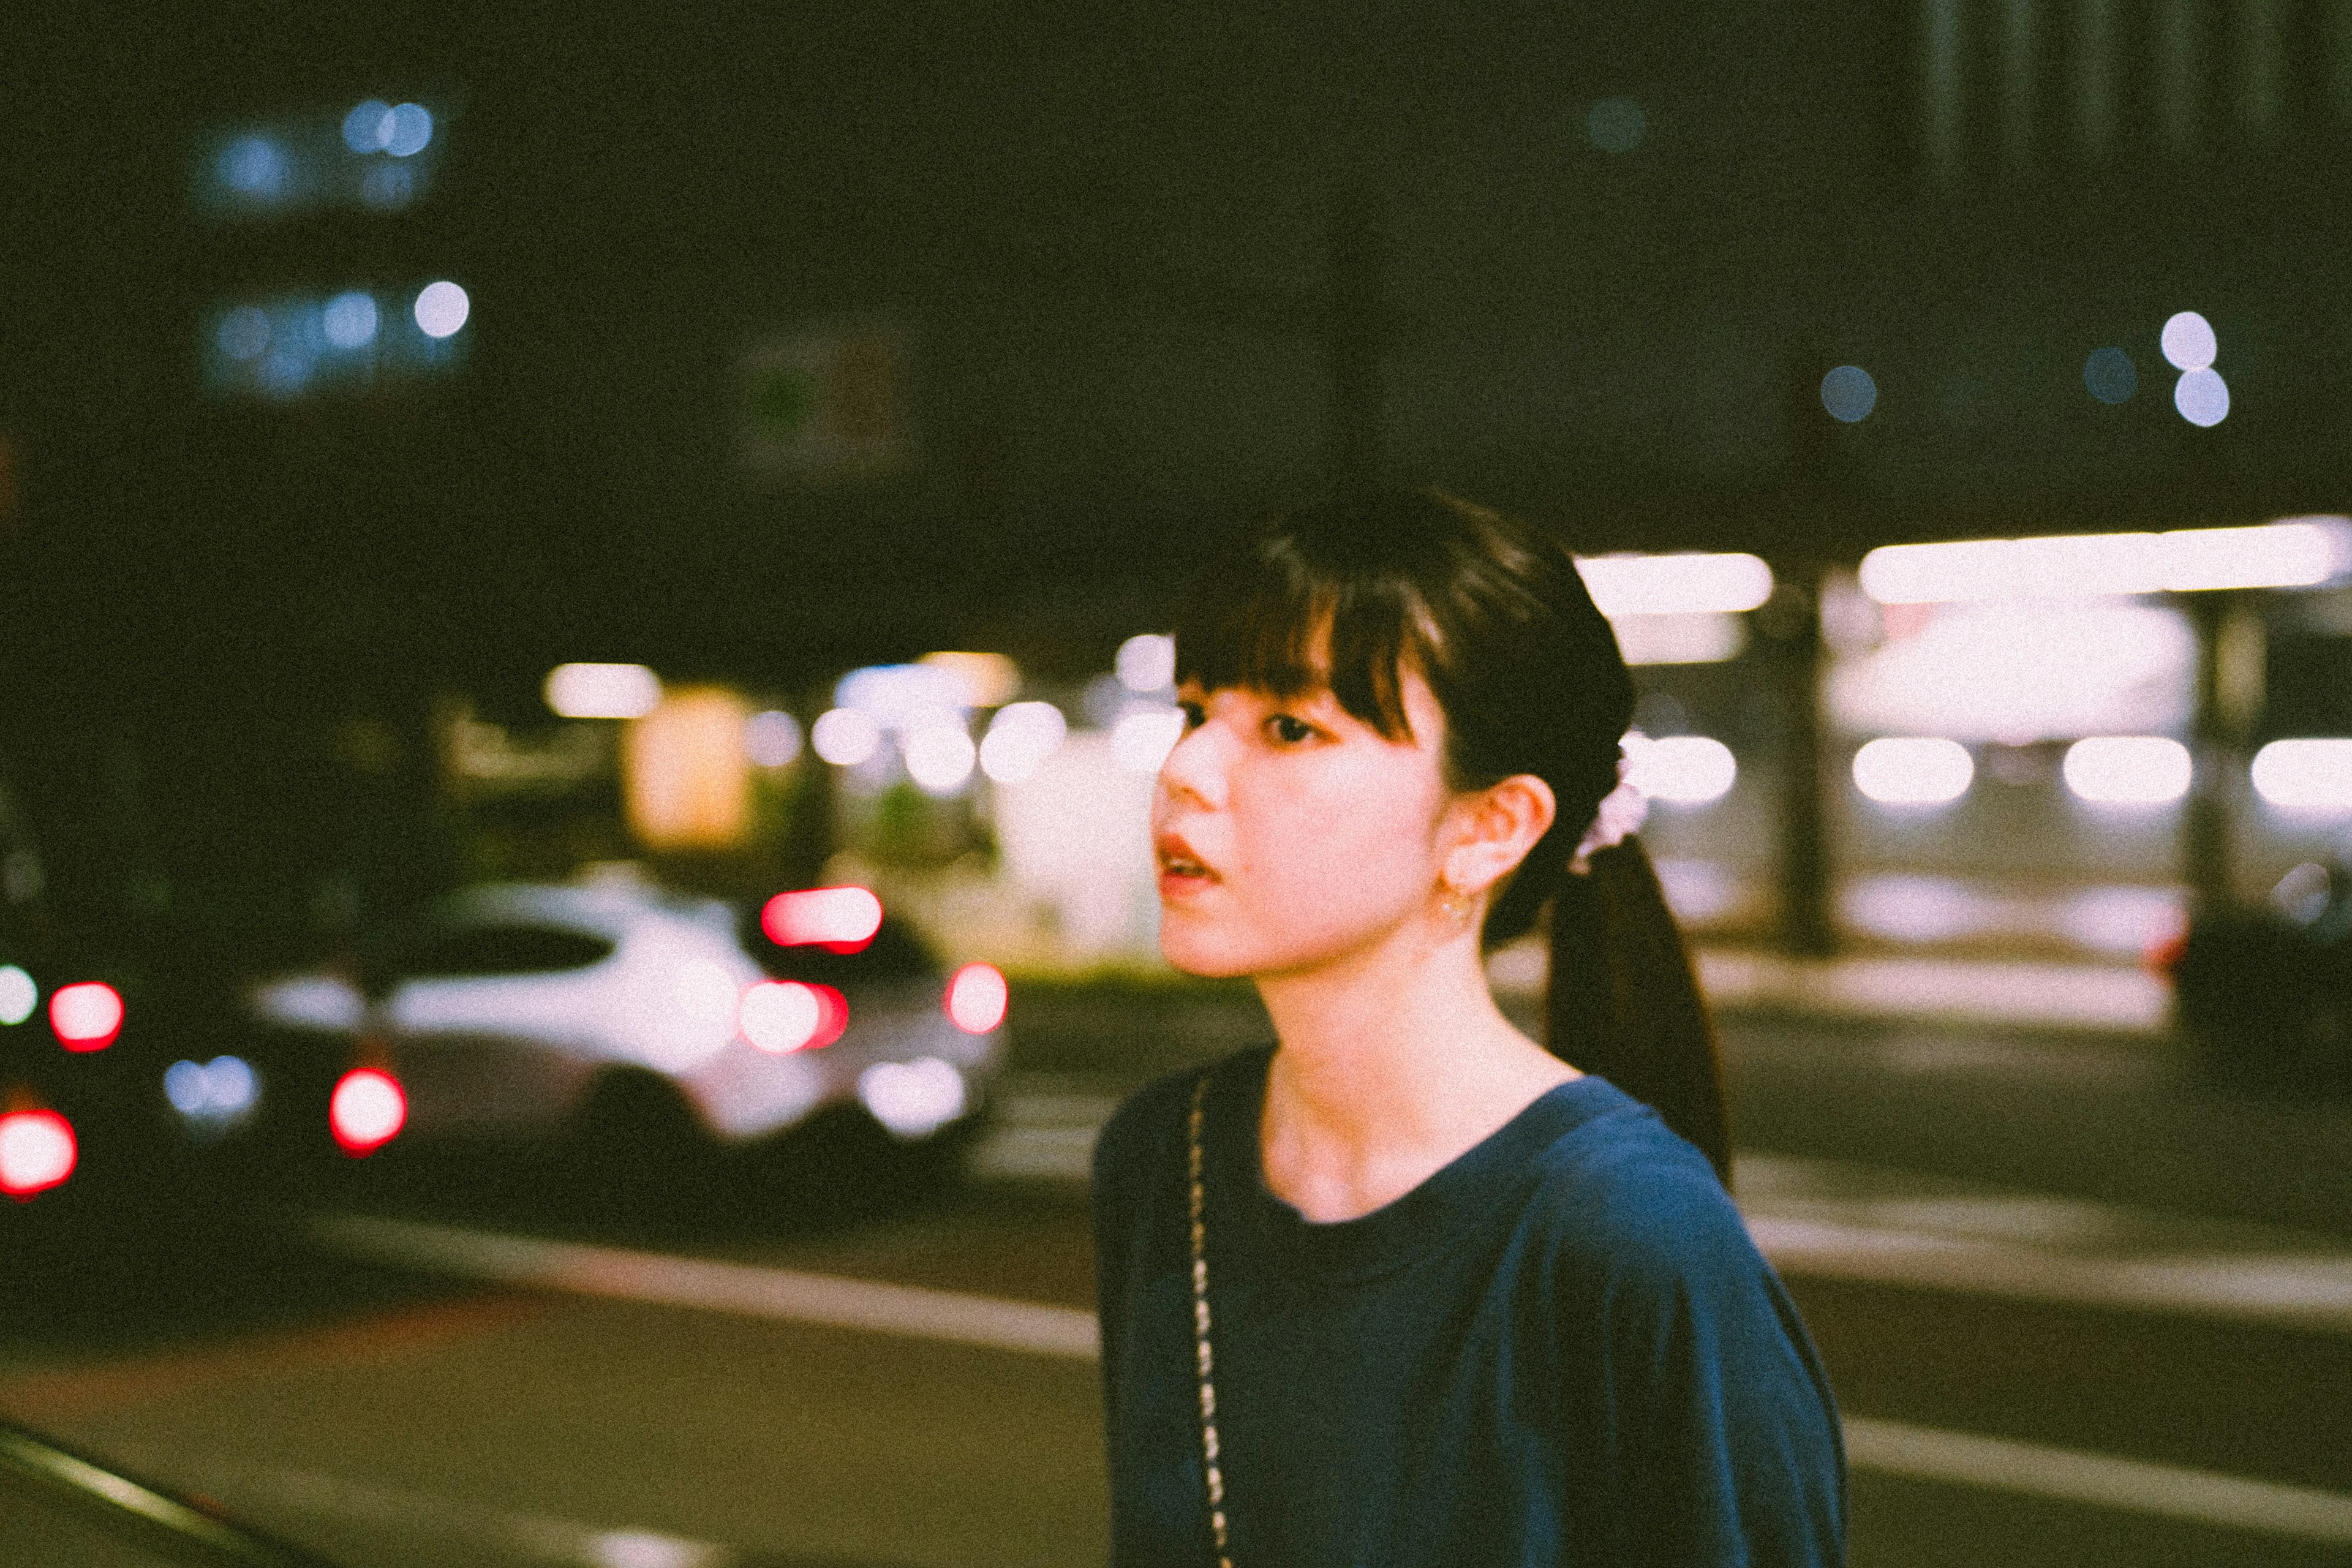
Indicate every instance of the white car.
{"type": "Point", "coordinates": [520, 1009]}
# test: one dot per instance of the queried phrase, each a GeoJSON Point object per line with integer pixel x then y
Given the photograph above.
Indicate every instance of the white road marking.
{"type": "Point", "coordinates": [2101, 1480]}
{"type": "Point", "coordinates": [1920, 1453]}
{"type": "Point", "coordinates": [2292, 1292]}
{"type": "Point", "coordinates": [745, 1289]}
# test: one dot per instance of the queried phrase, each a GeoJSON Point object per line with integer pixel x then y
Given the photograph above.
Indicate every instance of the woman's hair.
{"type": "Point", "coordinates": [1493, 615]}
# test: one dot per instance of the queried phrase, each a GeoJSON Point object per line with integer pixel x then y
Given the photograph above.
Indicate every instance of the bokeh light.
{"type": "Point", "coordinates": [843, 918]}
{"type": "Point", "coordinates": [771, 739]}
{"type": "Point", "coordinates": [368, 127]}
{"type": "Point", "coordinates": [407, 129]}
{"type": "Point", "coordinates": [2296, 553]}
{"type": "Point", "coordinates": [87, 1016]}
{"type": "Point", "coordinates": [1913, 770]}
{"type": "Point", "coordinates": [976, 998]}
{"type": "Point", "coordinates": [1147, 663]}
{"type": "Point", "coordinates": [244, 333]}
{"type": "Point", "coordinates": [257, 168]}
{"type": "Point", "coordinates": [1616, 124]}
{"type": "Point", "coordinates": [19, 994]}
{"type": "Point", "coordinates": [1683, 770]}
{"type": "Point", "coordinates": [983, 679]}
{"type": "Point", "coordinates": [442, 309]}
{"type": "Point", "coordinates": [1019, 740]}
{"type": "Point", "coordinates": [1849, 394]}
{"type": "Point", "coordinates": [367, 1110]}
{"type": "Point", "coordinates": [220, 1090]}
{"type": "Point", "coordinates": [1692, 583]}
{"type": "Point", "coordinates": [37, 1151]}
{"type": "Point", "coordinates": [2127, 770]}
{"type": "Point", "coordinates": [939, 754]}
{"type": "Point", "coordinates": [2189, 343]}
{"type": "Point", "coordinates": [2110, 376]}
{"type": "Point", "coordinates": [845, 736]}
{"type": "Point", "coordinates": [2202, 397]}
{"type": "Point", "coordinates": [2306, 776]}
{"type": "Point", "coordinates": [602, 690]}
{"type": "Point", "coordinates": [912, 1099]}
{"type": "Point", "coordinates": [780, 1015]}
{"type": "Point", "coordinates": [349, 320]}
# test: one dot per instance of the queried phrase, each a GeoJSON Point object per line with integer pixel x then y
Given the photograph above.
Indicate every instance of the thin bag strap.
{"type": "Point", "coordinates": [1199, 1207]}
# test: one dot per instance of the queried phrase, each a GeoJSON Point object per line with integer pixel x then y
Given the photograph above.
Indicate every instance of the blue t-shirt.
{"type": "Point", "coordinates": [1561, 1348]}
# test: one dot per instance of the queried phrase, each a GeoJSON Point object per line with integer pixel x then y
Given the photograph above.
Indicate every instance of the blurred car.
{"type": "Point", "coordinates": [96, 1009]}
{"type": "Point", "coordinates": [2269, 989]}
{"type": "Point", "coordinates": [59, 1509]}
{"type": "Point", "coordinates": [632, 1015]}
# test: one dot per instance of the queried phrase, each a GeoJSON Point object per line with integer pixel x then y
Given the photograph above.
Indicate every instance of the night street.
{"type": "Point", "coordinates": [644, 1409]}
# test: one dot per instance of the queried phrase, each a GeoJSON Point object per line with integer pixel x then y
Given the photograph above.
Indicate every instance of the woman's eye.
{"type": "Point", "coordinates": [1287, 729]}
{"type": "Point", "coordinates": [1194, 714]}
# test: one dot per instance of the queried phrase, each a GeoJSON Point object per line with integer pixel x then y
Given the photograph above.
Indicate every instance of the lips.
{"type": "Point", "coordinates": [1179, 861]}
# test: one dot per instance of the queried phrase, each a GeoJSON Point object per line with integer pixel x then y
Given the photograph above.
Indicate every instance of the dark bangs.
{"type": "Point", "coordinates": [1292, 611]}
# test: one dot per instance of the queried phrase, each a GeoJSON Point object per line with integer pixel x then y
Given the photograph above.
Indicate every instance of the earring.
{"type": "Point", "coordinates": [1457, 906]}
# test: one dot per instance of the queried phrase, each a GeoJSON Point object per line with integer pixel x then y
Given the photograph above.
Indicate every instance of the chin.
{"type": "Point", "coordinates": [1197, 953]}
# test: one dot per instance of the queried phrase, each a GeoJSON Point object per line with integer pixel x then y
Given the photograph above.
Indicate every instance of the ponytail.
{"type": "Point", "coordinates": [1622, 1001]}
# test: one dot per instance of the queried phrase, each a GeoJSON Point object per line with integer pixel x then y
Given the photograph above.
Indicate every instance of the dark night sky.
{"type": "Point", "coordinates": [1088, 219]}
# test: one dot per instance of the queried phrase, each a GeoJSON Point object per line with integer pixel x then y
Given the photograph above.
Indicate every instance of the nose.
{"type": "Point", "coordinates": [1193, 774]}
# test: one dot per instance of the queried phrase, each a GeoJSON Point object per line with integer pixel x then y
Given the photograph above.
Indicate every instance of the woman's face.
{"type": "Point", "coordinates": [1291, 832]}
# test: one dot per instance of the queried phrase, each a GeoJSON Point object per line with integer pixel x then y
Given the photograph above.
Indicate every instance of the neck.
{"type": "Point", "coordinates": [1392, 1059]}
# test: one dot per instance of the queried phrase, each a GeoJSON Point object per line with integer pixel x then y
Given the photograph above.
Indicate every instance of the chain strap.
{"type": "Point", "coordinates": [1215, 1477]}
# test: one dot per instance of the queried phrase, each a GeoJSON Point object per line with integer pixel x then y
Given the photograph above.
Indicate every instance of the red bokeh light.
{"type": "Point", "coordinates": [779, 1015]}
{"type": "Point", "coordinates": [87, 1016]}
{"type": "Point", "coordinates": [37, 1151]}
{"type": "Point", "coordinates": [835, 1020]}
{"type": "Point", "coordinates": [842, 918]}
{"type": "Point", "coordinates": [368, 1110]}
{"type": "Point", "coordinates": [976, 998]}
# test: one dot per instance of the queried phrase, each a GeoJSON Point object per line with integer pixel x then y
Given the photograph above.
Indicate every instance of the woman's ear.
{"type": "Point", "coordinates": [1494, 830]}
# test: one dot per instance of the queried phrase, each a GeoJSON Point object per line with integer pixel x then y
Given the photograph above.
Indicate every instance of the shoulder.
{"type": "Point", "coordinates": [1623, 1203]}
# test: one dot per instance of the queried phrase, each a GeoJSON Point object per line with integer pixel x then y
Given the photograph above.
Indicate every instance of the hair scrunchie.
{"type": "Point", "coordinates": [1622, 812]}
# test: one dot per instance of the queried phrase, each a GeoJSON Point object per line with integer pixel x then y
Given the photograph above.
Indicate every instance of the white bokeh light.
{"type": "Point", "coordinates": [2310, 777]}
{"type": "Point", "coordinates": [2189, 343]}
{"type": "Point", "coordinates": [1914, 771]}
{"type": "Point", "coordinates": [939, 755]}
{"type": "Point", "coordinates": [1019, 740]}
{"type": "Point", "coordinates": [2127, 770]}
{"type": "Point", "coordinates": [442, 309]}
{"type": "Point", "coordinates": [781, 1016]}
{"type": "Point", "coordinates": [1677, 584]}
{"type": "Point", "coordinates": [602, 690]}
{"type": "Point", "coordinates": [2202, 397]}
{"type": "Point", "coordinates": [773, 739]}
{"type": "Point", "coordinates": [1682, 769]}
{"type": "Point", "coordinates": [844, 736]}
{"type": "Point", "coordinates": [1147, 663]}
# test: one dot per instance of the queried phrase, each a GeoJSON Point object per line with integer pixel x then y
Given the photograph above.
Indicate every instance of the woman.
{"type": "Point", "coordinates": [1412, 1287]}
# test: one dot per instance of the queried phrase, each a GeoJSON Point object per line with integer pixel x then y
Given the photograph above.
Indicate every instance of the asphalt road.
{"type": "Point", "coordinates": [1996, 1241]}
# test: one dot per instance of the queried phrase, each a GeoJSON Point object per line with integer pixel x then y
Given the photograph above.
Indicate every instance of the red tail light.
{"type": "Point", "coordinates": [976, 998]}
{"type": "Point", "coordinates": [367, 1112]}
{"type": "Point", "coordinates": [781, 1016]}
{"type": "Point", "coordinates": [37, 1151]}
{"type": "Point", "coordinates": [842, 918]}
{"type": "Point", "coordinates": [87, 1016]}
